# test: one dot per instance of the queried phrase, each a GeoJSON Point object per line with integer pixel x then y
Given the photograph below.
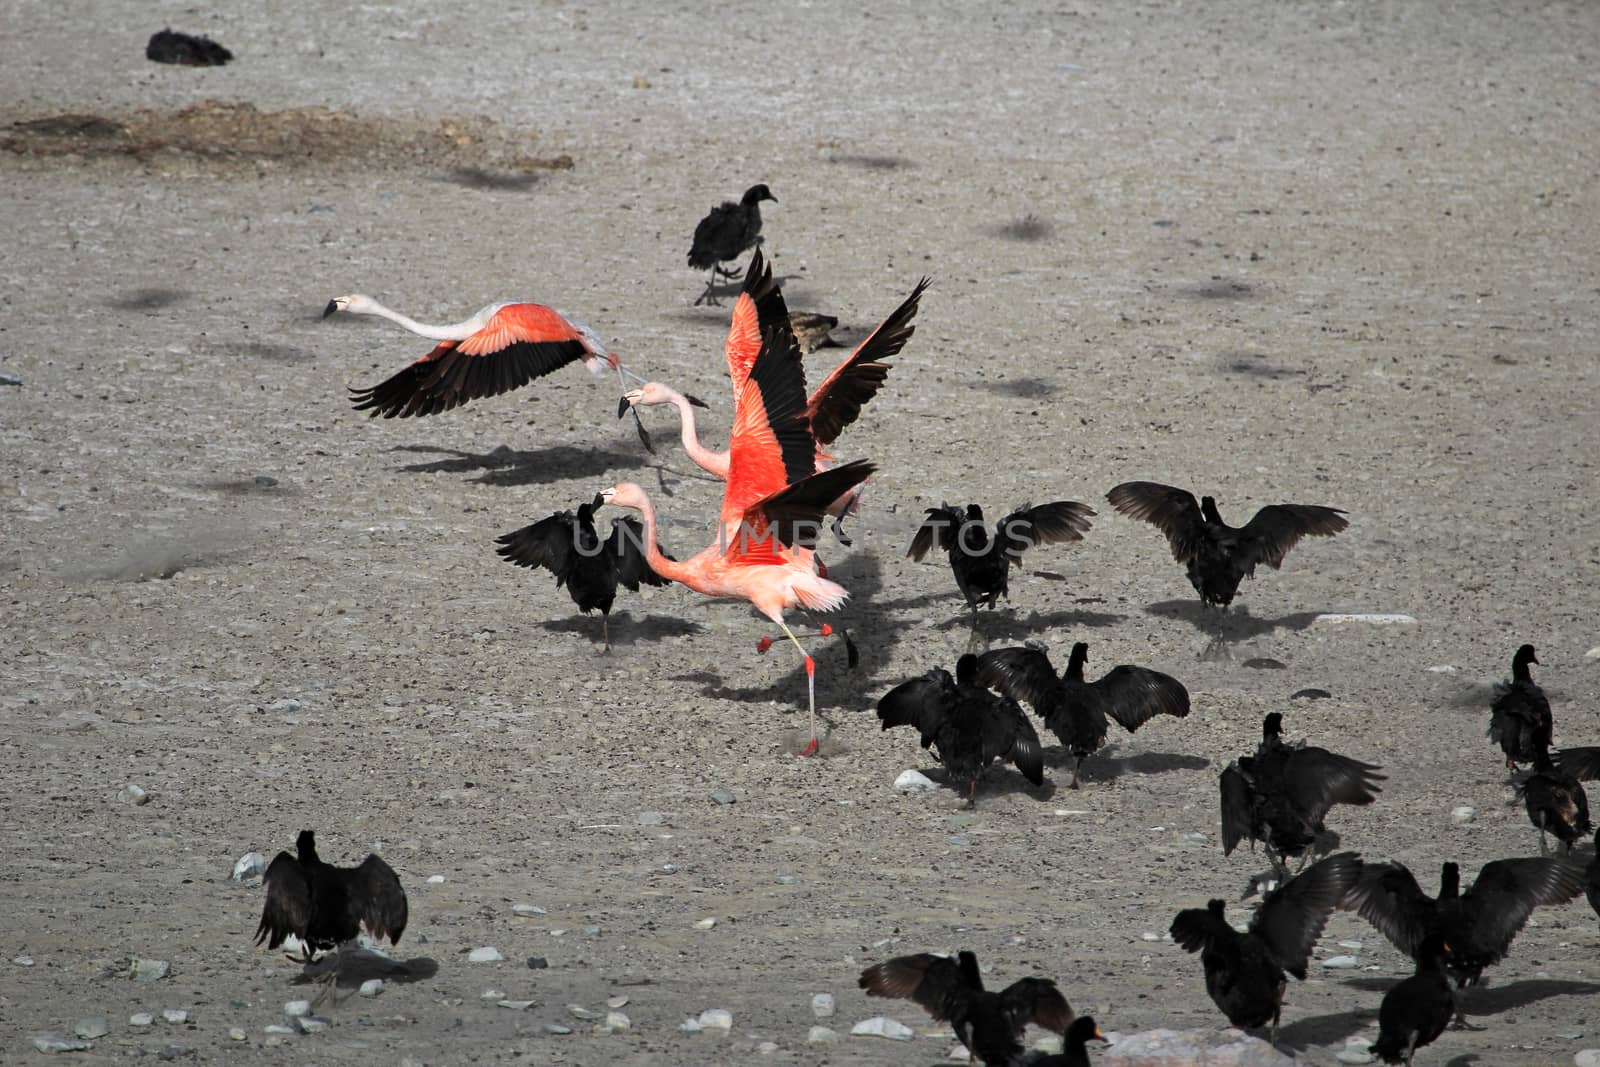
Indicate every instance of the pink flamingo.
{"type": "Point", "coordinates": [832, 406]}
{"type": "Point", "coordinates": [772, 507]}
{"type": "Point", "coordinates": [502, 347]}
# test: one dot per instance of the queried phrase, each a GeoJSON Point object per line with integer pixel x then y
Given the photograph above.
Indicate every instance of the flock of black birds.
{"type": "Point", "coordinates": [1278, 797]}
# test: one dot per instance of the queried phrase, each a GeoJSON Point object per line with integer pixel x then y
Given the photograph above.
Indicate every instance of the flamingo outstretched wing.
{"type": "Point", "coordinates": [836, 403]}
{"type": "Point", "coordinates": [760, 307]}
{"type": "Point", "coordinates": [519, 343]}
{"type": "Point", "coordinates": [771, 444]}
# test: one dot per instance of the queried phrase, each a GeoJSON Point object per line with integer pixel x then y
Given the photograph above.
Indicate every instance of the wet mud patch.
{"type": "Point", "coordinates": [224, 132]}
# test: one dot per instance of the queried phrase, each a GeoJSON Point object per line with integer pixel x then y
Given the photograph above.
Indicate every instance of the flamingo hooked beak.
{"type": "Point", "coordinates": [333, 305]}
{"type": "Point", "coordinates": [630, 398]}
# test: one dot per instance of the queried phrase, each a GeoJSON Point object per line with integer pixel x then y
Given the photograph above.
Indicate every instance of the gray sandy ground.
{"type": "Point", "coordinates": [1328, 253]}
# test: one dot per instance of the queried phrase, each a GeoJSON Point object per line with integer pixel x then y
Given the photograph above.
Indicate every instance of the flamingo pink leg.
{"type": "Point", "coordinates": [811, 689]}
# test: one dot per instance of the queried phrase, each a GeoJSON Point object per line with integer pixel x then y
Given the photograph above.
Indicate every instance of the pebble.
{"type": "Point", "coordinates": [1149, 936]}
{"type": "Point", "coordinates": [1310, 694]}
{"type": "Point", "coordinates": [1589, 1057]}
{"type": "Point", "coordinates": [51, 1043]}
{"type": "Point", "coordinates": [527, 909]}
{"type": "Point", "coordinates": [958, 1054]}
{"type": "Point", "coordinates": [557, 1028]}
{"type": "Point", "coordinates": [250, 865]}
{"type": "Point", "coordinates": [617, 1021]}
{"type": "Point", "coordinates": [141, 1018]}
{"type": "Point", "coordinates": [22, 961]}
{"type": "Point", "coordinates": [1442, 669]}
{"type": "Point", "coordinates": [882, 1026]}
{"type": "Point", "coordinates": [1593, 653]}
{"type": "Point", "coordinates": [913, 782]}
{"type": "Point", "coordinates": [821, 1035]}
{"type": "Point", "coordinates": [767, 1048]}
{"type": "Point", "coordinates": [1376, 618]}
{"type": "Point", "coordinates": [310, 1024]}
{"type": "Point", "coordinates": [716, 1019]}
{"type": "Point", "coordinates": [651, 818]}
{"type": "Point", "coordinates": [722, 796]}
{"type": "Point", "coordinates": [1172, 1048]}
{"type": "Point", "coordinates": [135, 795]}
{"type": "Point", "coordinates": [1342, 963]}
{"type": "Point", "coordinates": [492, 994]}
{"type": "Point", "coordinates": [1463, 813]}
{"type": "Point", "coordinates": [537, 963]}
{"type": "Point", "coordinates": [616, 1001]}
{"type": "Point", "coordinates": [175, 1015]}
{"type": "Point", "coordinates": [296, 1008]}
{"type": "Point", "coordinates": [487, 954]}
{"type": "Point", "coordinates": [1354, 1054]}
{"type": "Point", "coordinates": [788, 879]}
{"type": "Point", "coordinates": [371, 987]}
{"type": "Point", "coordinates": [436, 879]}
{"type": "Point", "coordinates": [705, 924]}
{"type": "Point", "coordinates": [92, 1027]}
{"type": "Point", "coordinates": [149, 970]}
{"type": "Point", "coordinates": [822, 1005]}
{"type": "Point", "coordinates": [1263, 663]}
{"type": "Point", "coordinates": [277, 1028]}
{"type": "Point", "coordinates": [1352, 945]}
{"type": "Point", "coordinates": [515, 1005]}
{"type": "Point", "coordinates": [578, 1011]}
{"type": "Point", "coordinates": [175, 1052]}
{"type": "Point", "coordinates": [236, 1033]}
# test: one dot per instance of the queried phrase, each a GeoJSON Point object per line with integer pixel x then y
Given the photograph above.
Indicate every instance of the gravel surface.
{"type": "Point", "coordinates": [1325, 253]}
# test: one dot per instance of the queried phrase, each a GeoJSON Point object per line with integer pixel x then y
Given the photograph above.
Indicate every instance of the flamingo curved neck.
{"type": "Point", "coordinates": [456, 332]}
{"type": "Point", "coordinates": [671, 570]}
{"type": "Point", "coordinates": [703, 457]}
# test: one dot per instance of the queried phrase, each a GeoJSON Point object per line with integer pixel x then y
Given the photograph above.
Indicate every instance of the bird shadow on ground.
{"type": "Point", "coordinates": [1106, 766]}
{"type": "Point", "coordinates": [358, 966]}
{"type": "Point", "coordinates": [1218, 288]}
{"type": "Point", "coordinates": [269, 351]}
{"type": "Point", "coordinates": [1229, 627]}
{"type": "Point", "coordinates": [506, 466]}
{"type": "Point", "coordinates": [149, 298]}
{"type": "Point", "coordinates": [996, 781]}
{"type": "Point", "coordinates": [625, 630]}
{"type": "Point", "coordinates": [1022, 388]}
{"type": "Point", "coordinates": [717, 314]}
{"type": "Point", "coordinates": [1323, 1030]}
{"type": "Point", "coordinates": [1009, 626]}
{"type": "Point", "coordinates": [1495, 1000]}
{"type": "Point", "coordinates": [490, 181]}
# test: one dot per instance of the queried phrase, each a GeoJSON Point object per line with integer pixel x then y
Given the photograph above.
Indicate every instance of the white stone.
{"type": "Point", "coordinates": [51, 1043]}
{"type": "Point", "coordinates": [22, 961]}
{"type": "Point", "coordinates": [716, 1019]}
{"type": "Point", "coordinates": [1442, 669]}
{"type": "Point", "coordinates": [250, 865]}
{"type": "Point", "coordinates": [1589, 1057]}
{"type": "Point", "coordinates": [690, 1026]}
{"type": "Point", "coordinates": [958, 1054]}
{"type": "Point", "coordinates": [92, 1027]}
{"type": "Point", "coordinates": [236, 1033]}
{"type": "Point", "coordinates": [1592, 654]}
{"type": "Point", "coordinates": [578, 1011]}
{"type": "Point", "coordinates": [141, 1018]}
{"type": "Point", "coordinates": [436, 879]}
{"type": "Point", "coordinates": [557, 1028]}
{"type": "Point", "coordinates": [492, 994]}
{"type": "Point", "coordinates": [175, 1015]}
{"type": "Point", "coordinates": [767, 1048]}
{"type": "Point", "coordinates": [705, 924]}
{"type": "Point", "coordinates": [882, 1026]}
{"type": "Point", "coordinates": [516, 1005]}
{"type": "Point", "coordinates": [1375, 618]}
{"type": "Point", "coordinates": [617, 1021]}
{"type": "Point", "coordinates": [1353, 1054]}
{"type": "Point", "coordinates": [135, 795]}
{"type": "Point", "coordinates": [309, 1024]}
{"type": "Point", "coordinates": [1463, 813]}
{"type": "Point", "coordinates": [1149, 936]}
{"type": "Point", "coordinates": [821, 1035]}
{"type": "Point", "coordinates": [822, 1005]}
{"type": "Point", "coordinates": [486, 954]}
{"type": "Point", "coordinates": [616, 1001]}
{"type": "Point", "coordinates": [527, 909]}
{"type": "Point", "coordinates": [149, 970]}
{"type": "Point", "coordinates": [1342, 963]}
{"type": "Point", "coordinates": [371, 987]}
{"type": "Point", "coordinates": [296, 1008]}
{"type": "Point", "coordinates": [913, 782]}
{"type": "Point", "coordinates": [277, 1029]}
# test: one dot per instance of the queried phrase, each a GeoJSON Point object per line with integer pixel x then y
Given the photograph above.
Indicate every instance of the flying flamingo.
{"type": "Point", "coordinates": [832, 406]}
{"type": "Point", "coordinates": [772, 507]}
{"type": "Point", "coordinates": [502, 347]}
